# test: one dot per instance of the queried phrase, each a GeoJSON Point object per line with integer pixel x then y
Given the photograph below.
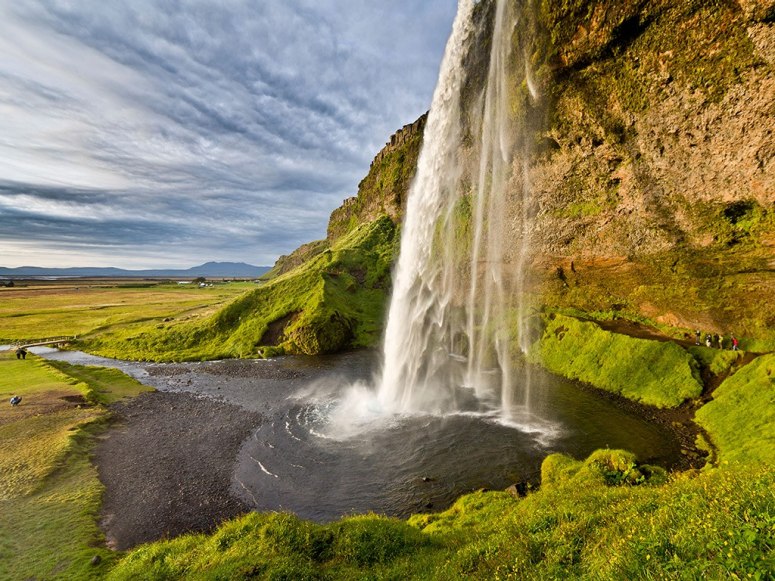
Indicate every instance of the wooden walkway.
{"type": "Point", "coordinates": [26, 343]}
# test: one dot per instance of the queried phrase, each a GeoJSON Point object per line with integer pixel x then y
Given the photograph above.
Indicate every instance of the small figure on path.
{"type": "Point", "coordinates": [735, 343]}
{"type": "Point", "coordinates": [21, 353]}
{"type": "Point", "coordinates": [708, 340]}
{"type": "Point", "coordinates": [16, 400]}
{"type": "Point", "coordinates": [697, 335]}
{"type": "Point", "coordinates": [720, 339]}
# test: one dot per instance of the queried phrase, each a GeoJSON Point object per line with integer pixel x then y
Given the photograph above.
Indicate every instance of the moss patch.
{"type": "Point", "coordinates": [651, 372]}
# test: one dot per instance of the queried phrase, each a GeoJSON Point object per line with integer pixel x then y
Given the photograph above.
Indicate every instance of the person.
{"type": "Point", "coordinates": [708, 340]}
{"type": "Point", "coordinates": [21, 353]}
{"type": "Point", "coordinates": [16, 400]}
{"type": "Point", "coordinates": [697, 337]}
{"type": "Point", "coordinates": [735, 343]}
{"type": "Point", "coordinates": [720, 339]}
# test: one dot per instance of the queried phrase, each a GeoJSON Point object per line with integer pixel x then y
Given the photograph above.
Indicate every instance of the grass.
{"type": "Point", "coordinates": [49, 490]}
{"type": "Point", "coordinates": [651, 372]}
{"type": "Point", "coordinates": [742, 405]}
{"type": "Point", "coordinates": [78, 307]}
{"type": "Point", "coordinates": [333, 301]}
{"type": "Point", "coordinates": [100, 384]}
{"type": "Point", "coordinates": [603, 518]}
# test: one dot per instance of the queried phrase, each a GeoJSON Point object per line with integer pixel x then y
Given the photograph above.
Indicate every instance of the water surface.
{"type": "Point", "coordinates": [324, 449]}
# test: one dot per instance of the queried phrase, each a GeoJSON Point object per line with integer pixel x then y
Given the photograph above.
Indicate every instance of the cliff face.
{"type": "Point", "coordinates": [654, 194]}
{"type": "Point", "coordinates": [383, 190]}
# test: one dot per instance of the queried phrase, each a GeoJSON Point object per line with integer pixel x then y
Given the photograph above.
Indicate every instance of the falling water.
{"type": "Point", "coordinates": [448, 337]}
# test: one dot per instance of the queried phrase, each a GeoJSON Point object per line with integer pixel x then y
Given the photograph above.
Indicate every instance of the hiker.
{"type": "Point", "coordinates": [720, 339]}
{"type": "Point", "coordinates": [708, 340]}
{"type": "Point", "coordinates": [16, 400]}
{"type": "Point", "coordinates": [735, 343]}
{"type": "Point", "coordinates": [697, 334]}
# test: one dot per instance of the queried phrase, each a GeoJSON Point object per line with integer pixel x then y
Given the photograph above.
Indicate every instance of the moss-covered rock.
{"type": "Point", "coordinates": [384, 189]}
{"type": "Point", "coordinates": [608, 467]}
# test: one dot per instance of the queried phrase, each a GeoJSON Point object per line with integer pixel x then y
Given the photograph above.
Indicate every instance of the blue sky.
{"type": "Point", "coordinates": [168, 133]}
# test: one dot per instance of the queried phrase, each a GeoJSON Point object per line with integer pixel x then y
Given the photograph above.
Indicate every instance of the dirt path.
{"type": "Point", "coordinates": [167, 464]}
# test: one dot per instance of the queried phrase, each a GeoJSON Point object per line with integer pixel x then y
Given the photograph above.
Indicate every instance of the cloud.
{"type": "Point", "coordinates": [192, 130]}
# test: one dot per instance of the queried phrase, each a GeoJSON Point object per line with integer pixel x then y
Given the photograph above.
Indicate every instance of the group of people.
{"type": "Point", "coordinates": [711, 340]}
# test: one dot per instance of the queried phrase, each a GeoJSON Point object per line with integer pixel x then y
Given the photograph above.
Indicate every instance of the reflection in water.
{"type": "Point", "coordinates": [311, 456]}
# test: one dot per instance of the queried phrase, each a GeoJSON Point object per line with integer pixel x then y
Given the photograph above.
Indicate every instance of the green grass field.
{"type": "Point", "coordinates": [49, 490]}
{"type": "Point", "coordinates": [79, 307]}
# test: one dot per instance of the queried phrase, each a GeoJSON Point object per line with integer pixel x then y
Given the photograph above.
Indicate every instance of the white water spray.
{"type": "Point", "coordinates": [448, 347]}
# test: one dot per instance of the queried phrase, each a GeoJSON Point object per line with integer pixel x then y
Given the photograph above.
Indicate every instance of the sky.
{"type": "Point", "coordinates": [168, 133]}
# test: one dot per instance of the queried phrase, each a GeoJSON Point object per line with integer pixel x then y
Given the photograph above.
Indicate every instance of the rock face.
{"type": "Point", "coordinates": [383, 190]}
{"type": "Point", "coordinates": [657, 196]}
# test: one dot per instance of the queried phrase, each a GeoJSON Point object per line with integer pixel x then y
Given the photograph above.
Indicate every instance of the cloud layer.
{"type": "Point", "coordinates": [170, 132]}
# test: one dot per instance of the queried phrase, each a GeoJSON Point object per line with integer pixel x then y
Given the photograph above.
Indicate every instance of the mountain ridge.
{"type": "Point", "coordinates": [211, 269]}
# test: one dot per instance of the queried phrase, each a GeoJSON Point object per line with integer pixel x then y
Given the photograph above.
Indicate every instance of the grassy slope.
{"type": "Point", "coordinates": [331, 302]}
{"type": "Point", "coordinates": [49, 490]}
{"type": "Point", "coordinates": [660, 374]}
{"type": "Point", "coordinates": [742, 405]}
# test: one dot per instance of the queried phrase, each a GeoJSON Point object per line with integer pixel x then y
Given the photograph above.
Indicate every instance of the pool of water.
{"type": "Point", "coordinates": [324, 448]}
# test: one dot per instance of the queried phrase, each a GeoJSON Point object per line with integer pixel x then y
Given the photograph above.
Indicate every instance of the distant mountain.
{"type": "Point", "coordinates": [207, 270]}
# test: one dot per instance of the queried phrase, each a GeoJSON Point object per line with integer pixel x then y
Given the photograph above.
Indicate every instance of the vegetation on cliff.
{"type": "Point", "coordinates": [331, 302]}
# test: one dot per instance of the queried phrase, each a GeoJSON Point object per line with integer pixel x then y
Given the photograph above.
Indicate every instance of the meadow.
{"type": "Point", "coordinates": [49, 491]}
{"type": "Point", "coordinates": [37, 309]}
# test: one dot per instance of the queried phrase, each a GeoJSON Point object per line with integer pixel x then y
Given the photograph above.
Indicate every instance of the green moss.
{"type": "Point", "coordinates": [651, 372]}
{"type": "Point", "coordinates": [717, 361]}
{"type": "Point", "coordinates": [741, 417]}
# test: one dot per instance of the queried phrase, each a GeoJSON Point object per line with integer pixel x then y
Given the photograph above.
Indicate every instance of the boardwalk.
{"type": "Point", "coordinates": [27, 343]}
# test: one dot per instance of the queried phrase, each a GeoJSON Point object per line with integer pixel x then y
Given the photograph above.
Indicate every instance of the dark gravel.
{"type": "Point", "coordinates": [167, 464]}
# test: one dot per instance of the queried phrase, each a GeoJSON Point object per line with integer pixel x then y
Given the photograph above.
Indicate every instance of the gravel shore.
{"type": "Point", "coordinates": [167, 463]}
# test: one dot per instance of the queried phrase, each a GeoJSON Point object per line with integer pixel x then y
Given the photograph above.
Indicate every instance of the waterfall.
{"type": "Point", "coordinates": [451, 319]}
